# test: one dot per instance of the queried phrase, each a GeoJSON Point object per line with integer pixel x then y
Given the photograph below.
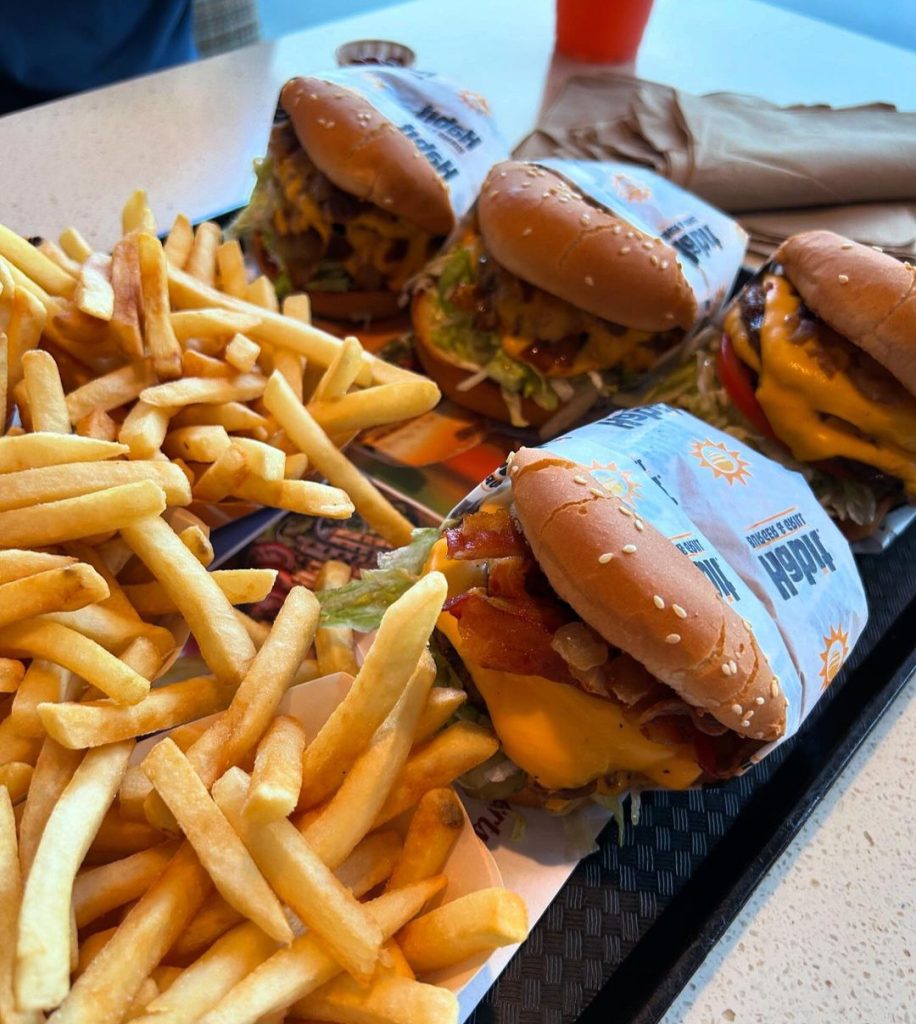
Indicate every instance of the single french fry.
{"type": "Point", "coordinates": [10, 899]}
{"type": "Point", "coordinates": [334, 644]}
{"type": "Point", "coordinates": [54, 769]}
{"type": "Point", "coordinates": [178, 244]}
{"type": "Point", "coordinates": [225, 476]}
{"type": "Point", "coordinates": [291, 366]}
{"type": "Point", "coordinates": [289, 974]}
{"type": "Point", "coordinates": [74, 245]}
{"type": "Point", "coordinates": [338, 378]}
{"type": "Point", "coordinates": [264, 461]}
{"type": "Point", "coordinates": [43, 945]}
{"type": "Point", "coordinates": [43, 682]}
{"type": "Point", "coordinates": [376, 406]}
{"type": "Point", "coordinates": [371, 862]}
{"type": "Point", "coordinates": [30, 487]}
{"type": "Point", "coordinates": [34, 264]}
{"type": "Point", "coordinates": [219, 849]}
{"type": "Point", "coordinates": [388, 999]}
{"type": "Point", "coordinates": [348, 816]}
{"type": "Point", "coordinates": [472, 924]}
{"type": "Point", "coordinates": [28, 451]}
{"type": "Point", "coordinates": [137, 215]}
{"type": "Point", "coordinates": [15, 747]}
{"type": "Point", "coordinates": [212, 323]}
{"type": "Point", "coordinates": [434, 829]}
{"type": "Point", "coordinates": [112, 389]}
{"type": "Point", "coordinates": [16, 564]}
{"type": "Point", "coordinates": [57, 255]}
{"type": "Point", "coordinates": [232, 415]}
{"type": "Point", "coordinates": [16, 777]}
{"type": "Point", "coordinates": [196, 444]}
{"type": "Point", "coordinates": [79, 654]}
{"type": "Point", "coordinates": [65, 589]}
{"type": "Point", "coordinates": [12, 673]}
{"type": "Point", "coordinates": [94, 294]}
{"type": "Point", "coordinates": [98, 424]}
{"type": "Point", "coordinates": [241, 586]}
{"type": "Point", "coordinates": [28, 319]}
{"type": "Point", "coordinates": [160, 339]}
{"type": "Point", "coordinates": [45, 393]}
{"type": "Point", "coordinates": [380, 683]}
{"type": "Point", "coordinates": [296, 466]}
{"type": "Point", "coordinates": [136, 787]}
{"type": "Point", "coordinates": [451, 753]}
{"type": "Point", "coordinates": [305, 497]}
{"type": "Point", "coordinates": [442, 703]}
{"type": "Point", "coordinates": [144, 429]}
{"type": "Point", "coordinates": [242, 353]}
{"type": "Point", "coordinates": [118, 837]}
{"type": "Point", "coordinates": [112, 629]}
{"type": "Point", "coordinates": [4, 374]}
{"type": "Point", "coordinates": [298, 306]}
{"type": "Point", "coordinates": [104, 991]}
{"type": "Point", "coordinates": [100, 889]}
{"type": "Point", "coordinates": [90, 948]}
{"type": "Point", "coordinates": [86, 515]}
{"type": "Point", "coordinates": [125, 284]}
{"type": "Point", "coordinates": [302, 881]}
{"type": "Point", "coordinates": [202, 258]}
{"type": "Point", "coordinates": [215, 918]}
{"type": "Point", "coordinates": [193, 390]}
{"type": "Point", "coordinates": [233, 278]}
{"type": "Point", "coordinates": [225, 645]}
{"type": "Point", "coordinates": [277, 775]}
{"type": "Point", "coordinates": [93, 723]}
{"type": "Point", "coordinates": [197, 364]}
{"type": "Point", "coordinates": [7, 291]}
{"type": "Point", "coordinates": [261, 292]}
{"type": "Point", "coordinates": [308, 436]}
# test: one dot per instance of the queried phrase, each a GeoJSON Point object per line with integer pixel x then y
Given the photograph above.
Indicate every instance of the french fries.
{"type": "Point", "coordinates": [277, 775]}
{"type": "Point", "coordinates": [431, 837]}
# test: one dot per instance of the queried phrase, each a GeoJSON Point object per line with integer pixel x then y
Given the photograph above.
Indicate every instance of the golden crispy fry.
{"type": "Point", "coordinates": [334, 644]}
{"type": "Point", "coordinates": [197, 364]}
{"type": "Point", "coordinates": [57, 255]}
{"type": "Point", "coordinates": [10, 898]}
{"type": "Point", "coordinates": [277, 775]}
{"type": "Point", "coordinates": [291, 367]}
{"type": "Point", "coordinates": [144, 429]}
{"type": "Point", "coordinates": [72, 650]}
{"type": "Point", "coordinates": [373, 407]}
{"type": "Point", "coordinates": [106, 988]}
{"type": "Point", "coordinates": [340, 375]}
{"type": "Point", "coordinates": [196, 444]}
{"type": "Point", "coordinates": [178, 244]}
{"type": "Point", "coordinates": [261, 292]}
{"type": "Point", "coordinates": [28, 451]}
{"type": "Point", "coordinates": [303, 882]}
{"type": "Point", "coordinates": [94, 294]}
{"type": "Point", "coordinates": [391, 662]}
{"type": "Point", "coordinates": [15, 564]}
{"type": "Point", "coordinates": [65, 589]}
{"type": "Point", "coordinates": [27, 321]}
{"type": "Point", "coordinates": [348, 816]}
{"type": "Point", "coordinates": [11, 675]}
{"type": "Point", "coordinates": [214, 919]}
{"type": "Point", "coordinates": [16, 777]}
{"type": "Point", "coordinates": [296, 466]}
{"type": "Point", "coordinates": [74, 245]}
{"type": "Point", "coordinates": [202, 258]}
{"type": "Point", "coordinates": [112, 389]}
{"type": "Point", "coordinates": [240, 388]}
{"type": "Point", "coordinates": [137, 215]}
{"type": "Point", "coordinates": [93, 723]}
{"type": "Point", "coordinates": [30, 487]}
{"type": "Point", "coordinates": [298, 306]}
{"type": "Point", "coordinates": [332, 464]}
{"type": "Point", "coordinates": [43, 944]}
{"type": "Point", "coordinates": [54, 769]}
{"type": "Point", "coordinates": [125, 284]}
{"type": "Point", "coordinates": [100, 889]}
{"type": "Point", "coordinates": [264, 461]}
{"type": "Point", "coordinates": [456, 931]}
{"type": "Point", "coordinates": [233, 277]}
{"type": "Point", "coordinates": [219, 849]}
{"type": "Point", "coordinates": [4, 373]}
{"type": "Point", "coordinates": [161, 342]}
{"type": "Point", "coordinates": [117, 837]}
{"type": "Point", "coordinates": [231, 415]}
{"type": "Point", "coordinates": [44, 681]}
{"type": "Point", "coordinates": [302, 496]}
{"type": "Point", "coordinates": [34, 264]}
{"type": "Point", "coordinates": [225, 476]}
{"type": "Point", "coordinates": [84, 516]}
{"type": "Point", "coordinates": [442, 703]}
{"type": "Point", "coordinates": [112, 629]}
{"type": "Point", "coordinates": [212, 323]}
{"type": "Point", "coordinates": [242, 353]}
{"type": "Point", "coordinates": [45, 393]}
{"type": "Point", "coordinates": [388, 999]}
{"type": "Point", "coordinates": [453, 752]}
{"type": "Point", "coordinates": [241, 586]}
{"type": "Point", "coordinates": [98, 424]}
{"type": "Point", "coordinates": [16, 747]}
{"type": "Point", "coordinates": [434, 829]}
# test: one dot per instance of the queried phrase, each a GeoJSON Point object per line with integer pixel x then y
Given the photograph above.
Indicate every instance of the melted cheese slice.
{"type": "Point", "coordinates": [796, 391]}
{"type": "Point", "coordinates": [560, 736]}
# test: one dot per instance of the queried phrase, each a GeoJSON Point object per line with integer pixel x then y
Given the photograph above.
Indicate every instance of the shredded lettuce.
{"type": "Point", "coordinates": [362, 603]}
{"type": "Point", "coordinates": [330, 276]}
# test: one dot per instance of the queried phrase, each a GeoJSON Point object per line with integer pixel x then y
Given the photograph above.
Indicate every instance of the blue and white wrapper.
{"type": "Point", "coordinates": [751, 526]}
{"type": "Point", "coordinates": [451, 127]}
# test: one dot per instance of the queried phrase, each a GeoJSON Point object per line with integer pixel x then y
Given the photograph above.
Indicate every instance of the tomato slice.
{"type": "Point", "coordinates": [736, 379]}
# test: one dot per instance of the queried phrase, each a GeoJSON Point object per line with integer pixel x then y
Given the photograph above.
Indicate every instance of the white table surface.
{"type": "Point", "coordinates": [830, 934]}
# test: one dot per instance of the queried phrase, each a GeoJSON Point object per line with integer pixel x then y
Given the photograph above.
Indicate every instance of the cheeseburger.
{"type": "Point", "coordinates": [545, 295]}
{"type": "Point", "coordinates": [345, 206]}
{"type": "Point", "coordinates": [603, 656]}
{"type": "Point", "coordinates": [817, 364]}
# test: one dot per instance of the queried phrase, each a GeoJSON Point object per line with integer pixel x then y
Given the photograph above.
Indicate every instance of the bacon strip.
{"type": "Point", "coordinates": [485, 535]}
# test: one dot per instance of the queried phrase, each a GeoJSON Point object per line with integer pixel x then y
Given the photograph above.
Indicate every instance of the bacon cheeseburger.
{"type": "Point", "coordinates": [544, 298]}
{"type": "Point", "coordinates": [604, 658]}
{"type": "Point", "coordinates": [345, 206]}
{"type": "Point", "coordinates": [818, 359]}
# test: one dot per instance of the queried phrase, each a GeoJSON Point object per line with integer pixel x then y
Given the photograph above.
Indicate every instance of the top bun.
{"type": "Point", "coordinates": [548, 234]}
{"type": "Point", "coordinates": [865, 295]}
{"type": "Point", "coordinates": [651, 602]}
{"type": "Point", "coordinates": [365, 154]}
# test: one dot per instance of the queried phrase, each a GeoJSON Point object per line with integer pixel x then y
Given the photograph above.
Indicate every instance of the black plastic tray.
{"type": "Point", "coordinates": [637, 918]}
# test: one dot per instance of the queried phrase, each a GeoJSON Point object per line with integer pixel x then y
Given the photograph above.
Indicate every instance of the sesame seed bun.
{"type": "Point", "coordinates": [865, 295]}
{"type": "Point", "coordinates": [648, 599]}
{"type": "Point", "coordinates": [548, 234]}
{"type": "Point", "coordinates": [485, 397]}
{"type": "Point", "coordinates": [365, 154]}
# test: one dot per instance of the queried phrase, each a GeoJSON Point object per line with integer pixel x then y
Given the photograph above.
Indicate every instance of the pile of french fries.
{"type": "Point", "coordinates": [171, 352]}
{"type": "Point", "coordinates": [236, 867]}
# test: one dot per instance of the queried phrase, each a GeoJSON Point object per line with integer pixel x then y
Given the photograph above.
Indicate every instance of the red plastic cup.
{"type": "Point", "coordinates": [601, 31]}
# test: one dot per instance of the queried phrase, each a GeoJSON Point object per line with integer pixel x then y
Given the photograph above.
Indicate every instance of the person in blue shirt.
{"type": "Point", "coordinates": [52, 48]}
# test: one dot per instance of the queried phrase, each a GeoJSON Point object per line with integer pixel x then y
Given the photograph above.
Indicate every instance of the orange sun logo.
{"type": "Point", "coordinates": [723, 461]}
{"type": "Point", "coordinates": [633, 191]}
{"type": "Point", "coordinates": [475, 101]}
{"type": "Point", "coordinates": [619, 482]}
{"type": "Point", "coordinates": [836, 647]}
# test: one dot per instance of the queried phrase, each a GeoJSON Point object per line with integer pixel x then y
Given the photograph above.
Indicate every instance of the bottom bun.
{"type": "Point", "coordinates": [486, 397]}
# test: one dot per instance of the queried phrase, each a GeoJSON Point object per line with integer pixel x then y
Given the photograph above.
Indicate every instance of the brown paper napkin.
{"type": "Point", "coordinates": [778, 169]}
